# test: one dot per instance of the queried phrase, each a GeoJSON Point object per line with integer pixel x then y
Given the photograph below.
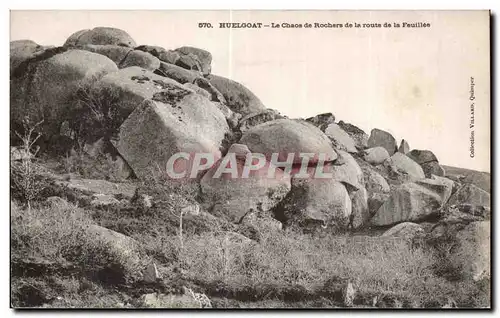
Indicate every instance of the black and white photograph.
{"type": "Point", "coordinates": [250, 159]}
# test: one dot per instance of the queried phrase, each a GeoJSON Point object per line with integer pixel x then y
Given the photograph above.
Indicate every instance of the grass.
{"type": "Point", "coordinates": [57, 240]}
{"type": "Point", "coordinates": [292, 268]}
{"type": "Point", "coordinates": [59, 262]}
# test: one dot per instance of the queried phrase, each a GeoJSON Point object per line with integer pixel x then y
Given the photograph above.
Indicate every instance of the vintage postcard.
{"type": "Point", "coordinates": [250, 159]}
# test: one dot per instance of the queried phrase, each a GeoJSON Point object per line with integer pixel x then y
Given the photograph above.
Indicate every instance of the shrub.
{"type": "Point", "coordinates": [25, 181]}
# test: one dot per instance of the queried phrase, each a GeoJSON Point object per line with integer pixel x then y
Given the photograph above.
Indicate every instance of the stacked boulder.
{"type": "Point", "coordinates": [428, 161]}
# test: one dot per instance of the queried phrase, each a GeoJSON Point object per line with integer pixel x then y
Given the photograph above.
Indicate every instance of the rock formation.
{"type": "Point", "coordinates": [140, 105]}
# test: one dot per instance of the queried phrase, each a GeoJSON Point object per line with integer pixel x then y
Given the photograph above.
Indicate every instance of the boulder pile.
{"type": "Point", "coordinates": [149, 103]}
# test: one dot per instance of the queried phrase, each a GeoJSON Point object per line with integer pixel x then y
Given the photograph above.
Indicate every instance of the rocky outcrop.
{"type": "Point", "coordinates": [408, 202]}
{"type": "Point", "coordinates": [322, 121]}
{"type": "Point", "coordinates": [428, 161]}
{"type": "Point", "coordinates": [239, 98]}
{"type": "Point", "coordinates": [381, 138]}
{"type": "Point", "coordinates": [101, 36]}
{"type": "Point", "coordinates": [174, 120]}
{"type": "Point", "coordinates": [358, 135]}
{"type": "Point", "coordinates": [233, 196]}
{"type": "Point", "coordinates": [285, 136]}
{"type": "Point", "coordinates": [151, 103]}
{"type": "Point", "coordinates": [341, 140]}
{"type": "Point", "coordinates": [46, 85]}
{"type": "Point", "coordinates": [376, 155]}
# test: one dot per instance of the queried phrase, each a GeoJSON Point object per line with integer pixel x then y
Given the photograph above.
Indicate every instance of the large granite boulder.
{"type": "Point", "coordinates": [322, 121]}
{"type": "Point", "coordinates": [341, 140]}
{"type": "Point", "coordinates": [358, 135]}
{"type": "Point", "coordinates": [216, 96]}
{"type": "Point", "coordinates": [72, 40]}
{"type": "Point", "coordinates": [140, 59]}
{"type": "Point", "coordinates": [376, 186]}
{"type": "Point", "coordinates": [404, 147]}
{"type": "Point", "coordinates": [314, 203]}
{"type": "Point", "coordinates": [439, 185]}
{"type": "Point", "coordinates": [376, 155]}
{"type": "Point", "coordinates": [408, 202]}
{"type": "Point", "coordinates": [428, 161]}
{"type": "Point", "coordinates": [174, 120]}
{"type": "Point", "coordinates": [125, 249]}
{"type": "Point", "coordinates": [403, 168]}
{"type": "Point", "coordinates": [124, 56]}
{"type": "Point", "coordinates": [177, 73]}
{"type": "Point", "coordinates": [360, 209]}
{"type": "Point", "coordinates": [101, 36]}
{"type": "Point", "coordinates": [234, 195]}
{"type": "Point", "coordinates": [376, 200]}
{"type": "Point", "coordinates": [422, 156]}
{"type": "Point", "coordinates": [114, 52]}
{"type": "Point", "coordinates": [46, 86]}
{"type": "Point", "coordinates": [195, 58]}
{"type": "Point", "coordinates": [384, 139]}
{"type": "Point", "coordinates": [198, 90]}
{"type": "Point", "coordinates": [131, 85]}
{"type": "Point", "coordinates": [406, 230]}
{"type": "Point", "coordinates": [346, 170]}
{"type": "Point", "coordinates": [167, 56]}
{"type": "Point", "coordinates": [374, 182]}
{"type": "Point", "coordinates": [21, 51]}
{"type": "Point", "coordinates": [239, 98]}
{"type": "Point", "coordinates": [285, 136]}
{"type": "Point", "coordinates": [251, 120]}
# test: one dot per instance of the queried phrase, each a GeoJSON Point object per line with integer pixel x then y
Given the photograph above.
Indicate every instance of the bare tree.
{"type": "Point", "coordinates": [25, 173]}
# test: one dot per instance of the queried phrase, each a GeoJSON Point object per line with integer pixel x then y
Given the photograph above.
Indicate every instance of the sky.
{"type": "Point", "coordinates": [411, 82]}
